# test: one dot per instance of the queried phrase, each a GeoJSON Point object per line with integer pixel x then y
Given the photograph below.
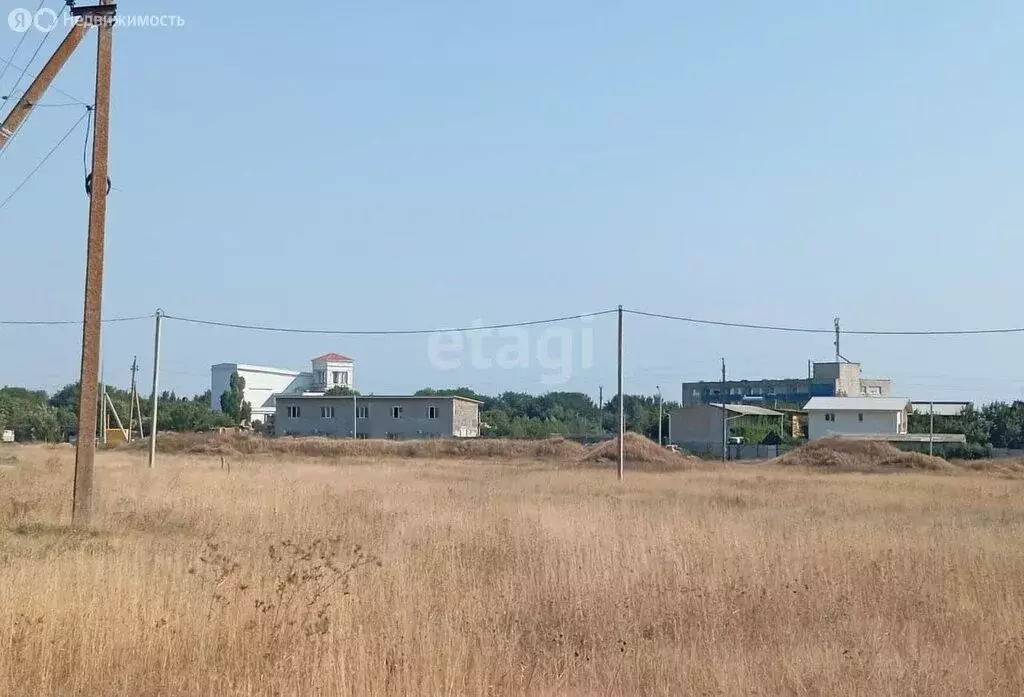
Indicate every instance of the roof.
{"type": "Point", "coordinates": [856, 404]}
{"type": "Point", "coordinates": [334, 357]}
{"type": "Point", "coordinates": [366, 397]}
{"type": "Point", "coordinates": [903, 437]}
{"type": "Point", "coordinates": [747, 410]}
{"type": "Point", "coordinates": [245, 367]}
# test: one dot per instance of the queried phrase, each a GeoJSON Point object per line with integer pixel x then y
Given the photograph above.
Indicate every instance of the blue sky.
{"type": "Point", "coordinates": [415, 165]}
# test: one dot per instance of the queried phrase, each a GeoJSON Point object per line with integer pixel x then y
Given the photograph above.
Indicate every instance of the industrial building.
{"type": "Point", "coordinates": [377, 416]}
{"type": "Point", "coordinates": [698, 428]}
{"type": "Point", "coordinates": [263, 384]}
{"type": "Point", "coordinates": [823, 380]}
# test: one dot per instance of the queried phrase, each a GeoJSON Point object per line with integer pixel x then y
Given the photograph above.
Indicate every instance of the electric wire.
{"type": "Point", "coordinates": [528, 323]}
{"type": "Point", "coordinates": [39, 48]}
{"type": "Point", "coordinates": [42, 162]}
{"type": "Point", "coordinates": [390, 332]}
{"type": "Point", "coordinates": [68, 322]}
{"type": "Point", "coordinates": [10, 95]}
{"type": "Point", "coordinates": [14, 54]}
{"type": "Point", "coordinates": [847, 332]}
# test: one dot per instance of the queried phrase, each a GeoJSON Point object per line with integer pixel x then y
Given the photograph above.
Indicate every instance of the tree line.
{"type": "Point", "coordinates": [995, 425]}
{"type": "Point", "coordinates": [34, 415]}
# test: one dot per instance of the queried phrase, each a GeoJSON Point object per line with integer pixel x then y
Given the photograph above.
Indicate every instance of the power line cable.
{"type": "Point", "coordinates": [68, 322]}
{"type": "Point", "coordinates": [14, 53]}
{"type": "Point", "coordinates": [10, 95]}
{"type": "Point", "coordinates": [736, 325]}
{"type": "Point", "coordinates": [42, 162]}
{"type": "Point", "coordinates": [39, 48]}
{"type": "Point", "coordinates": [808, 330]}
{"type": "Point", "coordinates": [392, 332]}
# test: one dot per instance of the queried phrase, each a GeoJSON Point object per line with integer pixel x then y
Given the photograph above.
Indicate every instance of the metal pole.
{"type": "Point", "coordinates": [104, 419]}
{"type": "Point", "coordinates": [131, 399]}
{"type": "Point", "coordinates": [622, 408]}
{"type": "Point", "coordinates": [931, 431]}
{"type": "Point", "coordinates": [85, 449]}
{"type": "Point", "coordinates": [725, 421]}
{"type": "Point", "coordinates": [839, 355]}
{"type": "Point", "coordinates": [660, 417]}
{"type": "Point", "coordinates": [355, 418]}
{"type": "Point", "coordinates": [156, 393]}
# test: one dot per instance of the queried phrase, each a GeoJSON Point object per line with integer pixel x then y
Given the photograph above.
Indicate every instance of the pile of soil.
{"type": "Point", "coordinates": [859, 456]}
{"type": "Point", "coordinates": [642, 451]}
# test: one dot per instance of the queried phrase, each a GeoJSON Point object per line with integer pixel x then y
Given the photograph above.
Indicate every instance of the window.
{"type": "Point", "coordinates": [860, 417]}
{"type": "Point", "coordinates": [362, 412]}
{"type": "Point", "coordinates": [875, 391]}
{"type": "Point", "coordinates": [326, 412]}
{"type": "Point", "coordinates": [337, 377]}
{"type": "Point", "coordinates": [431, 412]}
{"type": "Point", "coordinates": [396, 412]}
{"type": "Point", "coordinates": [294, 412]}
{"type": "Point", "coordinates": [830, 417]}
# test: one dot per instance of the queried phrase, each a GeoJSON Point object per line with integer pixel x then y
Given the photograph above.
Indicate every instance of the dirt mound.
{"type": "Point", "coordinates": [234, 444]}
{"type": "Point", "coordinates": [639, 450]}
{"type": "Point", "coordinates": [859, 456]}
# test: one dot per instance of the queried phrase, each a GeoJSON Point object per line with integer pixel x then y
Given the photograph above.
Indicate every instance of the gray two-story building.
{"type": "Point", "coordinates": [377, 416]}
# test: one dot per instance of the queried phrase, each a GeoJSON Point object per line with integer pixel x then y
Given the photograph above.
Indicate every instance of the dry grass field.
{"type": "Point", "coordinates": [364, 575]}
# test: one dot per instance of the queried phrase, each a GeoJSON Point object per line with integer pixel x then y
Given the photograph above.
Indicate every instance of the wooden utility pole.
{"type": "Point", "coordinates": [102, 17]}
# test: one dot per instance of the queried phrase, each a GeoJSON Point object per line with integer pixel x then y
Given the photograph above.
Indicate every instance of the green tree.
{"type": "Point", "coordinates": [233, 398]}
{"type": "Point", "coordinates": [341, 391]}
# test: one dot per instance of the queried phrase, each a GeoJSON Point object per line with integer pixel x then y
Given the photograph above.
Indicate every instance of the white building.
{"type": "Point", "coordinates": [332, 370]}
{"type": "Point", "coordinates": [857, 416]}
{"type": "Point", "coordinates": [263, 384]}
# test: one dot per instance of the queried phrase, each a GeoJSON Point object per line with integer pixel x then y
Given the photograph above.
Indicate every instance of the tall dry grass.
{"type": "Point", "coordinates": [383, 576]}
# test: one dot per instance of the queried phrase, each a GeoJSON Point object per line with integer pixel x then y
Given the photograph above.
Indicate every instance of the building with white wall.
{"type": "Point", "coordinates": [857, 416]}
{"type": "Point", "coordinates": [332, 370]}
{"type": "Point", "coordinates": [262, 384]}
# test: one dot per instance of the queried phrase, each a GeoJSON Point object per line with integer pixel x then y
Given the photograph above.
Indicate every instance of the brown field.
{"type": "Point", "coordinates": [388, 575]}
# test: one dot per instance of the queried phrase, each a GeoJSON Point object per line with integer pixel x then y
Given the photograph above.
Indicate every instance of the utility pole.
{"type": "Point", "coordinates": [104, 419]}
{"type": "Point", "coordinates": [355, 417]}
{"type": "Point", "coordinates": [600, 409]}
{"type": "Point", "coordinates": [156, 393]}
{"type": "Point", "coordinates": [931, 431]}
{"type": "Point", "coordinates": [839, 354]}
{"type": "Point", "coordinates": [660, 417]}
{"type": "Point", "coordinates": [622, 408]}
{"type": "Point", "coordinates": [85, 451]}
{"type": "Point", "coordinates": [131, 398]}
{"type": "Point", "coordinates": [725, 420]}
